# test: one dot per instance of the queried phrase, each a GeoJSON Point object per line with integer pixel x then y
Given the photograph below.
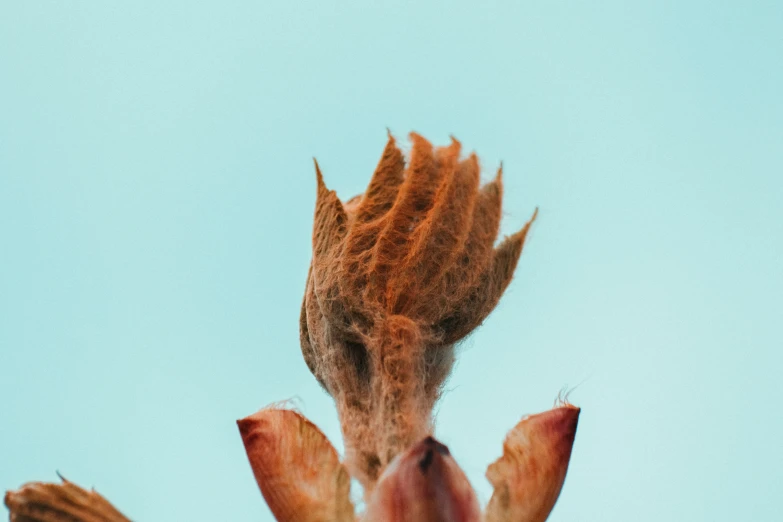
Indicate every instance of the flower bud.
{"type": "Point", "coordinates": [417, 248]}
{"type": "Point", "coordinates": [424, 484]}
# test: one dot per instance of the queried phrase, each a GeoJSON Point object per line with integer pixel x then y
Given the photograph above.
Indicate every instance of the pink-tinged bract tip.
{"type": "Point", "coordinates": [530, 474]}
{"type": "Point", "coordinates": [296, 467]}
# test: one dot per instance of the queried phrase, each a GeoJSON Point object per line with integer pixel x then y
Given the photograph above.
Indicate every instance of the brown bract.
{"type": "Point", "coordinates": [302, 480]}
{"type": "Point", "coordinates": [47, 502]}
{"type": "Point", "coordinates": [399, 275]}
{"type": "Point", "coordinates": [424, 484]}
{"type": "Point", "coordinates": [296, 467]}
{"type": "Point", "coordinates": [528, 477]}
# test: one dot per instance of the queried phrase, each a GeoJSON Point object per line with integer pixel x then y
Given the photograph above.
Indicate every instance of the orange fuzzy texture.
{"type": "Point", "coordinates": [399, 275]}
{"type": "Point", "coordinates": [47, 502]}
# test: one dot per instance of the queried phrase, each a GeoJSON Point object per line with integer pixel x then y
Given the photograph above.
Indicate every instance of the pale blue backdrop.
{"type": "Point", "coordinates": [156, 196]}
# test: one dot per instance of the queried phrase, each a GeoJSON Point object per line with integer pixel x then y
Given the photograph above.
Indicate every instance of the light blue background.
{"type": "Point", "coordinates": [156, 198]}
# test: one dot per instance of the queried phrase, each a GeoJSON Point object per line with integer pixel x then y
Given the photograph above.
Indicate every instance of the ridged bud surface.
{"type": "Point", "coordinates": [399, 274]}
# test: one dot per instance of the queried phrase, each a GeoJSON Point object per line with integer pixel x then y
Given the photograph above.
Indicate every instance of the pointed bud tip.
{"type": "Point", "coordinates": [424, 484]}
{"type": "Point", "coordinates": [419, 141]}
{"type": "Point", "coordinates": [318, 175]}
{"type": "Point", "coordinates": [520, 235]}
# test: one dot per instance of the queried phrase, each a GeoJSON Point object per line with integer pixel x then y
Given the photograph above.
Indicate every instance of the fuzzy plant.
{"type": "Point", "coordinates": [399, 276]}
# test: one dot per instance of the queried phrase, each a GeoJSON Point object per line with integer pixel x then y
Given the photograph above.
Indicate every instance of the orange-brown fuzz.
{"type": "Point", "coordinates": [64, 502]}
{"type": "Point", "coordinates": [399, 275]}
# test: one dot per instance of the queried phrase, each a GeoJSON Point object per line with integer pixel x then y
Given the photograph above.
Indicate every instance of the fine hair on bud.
{"type": "Point", "coordinates": [399, 275]}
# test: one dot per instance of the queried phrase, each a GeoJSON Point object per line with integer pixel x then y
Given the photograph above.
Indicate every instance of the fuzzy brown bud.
{"type": "Point", "coordinates": [398, 276]}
